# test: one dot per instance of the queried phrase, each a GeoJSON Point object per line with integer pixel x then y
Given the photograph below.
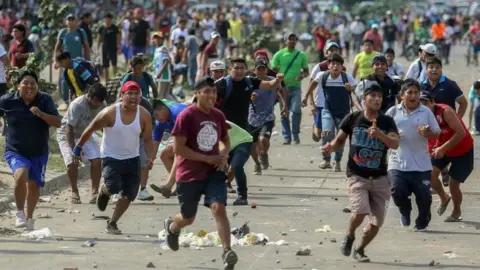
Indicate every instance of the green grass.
{"type": "Point", "coordinates": [55, 160]}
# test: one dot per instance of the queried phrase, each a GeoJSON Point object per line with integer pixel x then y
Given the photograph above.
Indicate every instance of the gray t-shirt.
{"type": "Point", "coordinates": [192, 47]}
{"type": "Point", "coordinates": [79, 115]}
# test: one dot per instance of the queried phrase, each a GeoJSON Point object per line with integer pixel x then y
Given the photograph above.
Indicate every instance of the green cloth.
{"type": "Point", "coordinates": [238, 135]}
{"type": "Point", "coordinates": [283, 58]}
{"type": "Point", "coordinates": [422, 33]}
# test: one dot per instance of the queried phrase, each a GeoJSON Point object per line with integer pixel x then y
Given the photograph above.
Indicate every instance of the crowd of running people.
{"type": "Point", "coordinates": [405, 128]}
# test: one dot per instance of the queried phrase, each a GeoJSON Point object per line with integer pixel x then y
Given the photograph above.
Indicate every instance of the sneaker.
{"type": "Point", "coordinates": [257, 170]}
{"type": "Point", "coordinates": [337, 167]}
{"type": "Point", "coordinates": [346, 247]}
{"type": "Point", "coordinates": [325, 165]}
{"type": "Point", "coordinates": [30, 225]}
{"type": "Point", "coordinates": [102, 199]}
{"type": "Point", "coordinates": [20, 220]}
{"type": "Point", "coordinates": [420, 228]}
{"type": "Point", "coordinates": [296, 140]}
{"type": "Point", "coordinates": [115, 198]}
{"type": "Point", "coordinates": [163, 189]}
{"type": "Point", "coordinates": [172, 238]}
{"type": "Point", "coordinates": [230, 258]}
{"type": "Point", "coordinates": [144, 195]}
{"type": "Point", "coordinates": [360, 256]}
{"type": "Point", "coordinates": [287, 142]}
{"type": "Point", "coordinates": [405, 221]}
{"type": "Point", "coordinates": [241, 201]}
{"type": "Point", "coordinates": [112, 228]}
{"type": "Point", "coordinates": [264, 161]}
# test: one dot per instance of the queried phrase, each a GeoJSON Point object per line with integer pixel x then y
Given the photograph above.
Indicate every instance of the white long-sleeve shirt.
{"type": "Point", "coordinates": [413, 71]}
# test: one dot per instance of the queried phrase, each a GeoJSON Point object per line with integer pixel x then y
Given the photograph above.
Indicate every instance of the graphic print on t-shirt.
{"type": "Point", "coordinates": [370, 150]}
{"type": "Point", "coordinates": [207, 137]}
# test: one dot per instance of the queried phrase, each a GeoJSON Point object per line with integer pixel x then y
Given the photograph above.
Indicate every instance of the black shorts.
{"type": "Point", "coordinates": [263, 131]}
{"type": "Point", "coordinates": [122, 176]}
{"type": "Point", "coordinates": [213, 188]}
{"type": "Point", "coordinates": [461, 166]}
{"type": "Point", "coordinates": [109, 56]}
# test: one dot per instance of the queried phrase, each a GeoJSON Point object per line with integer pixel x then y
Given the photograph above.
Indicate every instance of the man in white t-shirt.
{"type": "Point", "coordinates": [394, 68]}
{"type": "Point", "coordinates": [334, 90]}
{"type": "Point", "coordinates": [417, 69]}
{"type": "Point", "coordinates": [180, 31]}
{"type": "Point", "coordinates": [208, 25]}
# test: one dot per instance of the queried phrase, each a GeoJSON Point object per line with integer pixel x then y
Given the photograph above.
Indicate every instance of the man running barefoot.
{"type": "Point", "coordinates": [371, 135]}
{"type": "Point", "coordinates": [80, 114]}
{"type": "Point", "coordinates": [122, 122]}
{"type": "Point", "coordinates": [454, 146]}
{"type": "Point", "coordinates": [201, 144]}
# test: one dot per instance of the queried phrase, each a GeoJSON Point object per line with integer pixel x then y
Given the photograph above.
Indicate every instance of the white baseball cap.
{"type": "Point", "coordinates": [214, 35]}
{"type": "Point", "coordinates": [217, 65]}
{"type": "Point", "coordinates": [429, 48]}
{"type": "Point", "coordinates": [374, 26]}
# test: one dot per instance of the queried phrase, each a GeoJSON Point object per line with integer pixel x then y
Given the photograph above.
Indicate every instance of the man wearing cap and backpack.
{"type": "Point", "coordinates": [293, 64]}
{"type": "Point", "coordinates": [417, 69]}
{"type": "Point", "coordinates": [334, 90]}
{"type": "Point", "coordinates": [71, 39]}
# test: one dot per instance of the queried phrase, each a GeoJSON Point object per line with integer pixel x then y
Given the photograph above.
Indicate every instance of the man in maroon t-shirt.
{"type": "Point", "coordinates": [202, 147]}
{"type": "Point", "coordinates": [210, 54]}
{"type": "Point", "coordinates": [20, 46]}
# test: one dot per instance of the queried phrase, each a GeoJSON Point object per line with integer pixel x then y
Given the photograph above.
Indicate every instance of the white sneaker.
{"type": "Point", "coordinates": [144, 195]}
{"type": "Point", "coordinates": [20, 220]}
{"type": "Point", "coordinates": [30, 224]}
{"type": "Point", "coordinates": [115, 198]}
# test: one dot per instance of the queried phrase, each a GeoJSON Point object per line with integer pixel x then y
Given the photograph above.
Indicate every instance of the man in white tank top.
{"type": "Point", "coordinates": [121, 123]}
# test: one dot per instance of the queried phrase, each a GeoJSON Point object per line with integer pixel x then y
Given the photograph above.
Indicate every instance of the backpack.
{"type": "Point", "coordinates": [87, 64]}
{"type": "Point", "coordinates": [324, 83]}
{"type": "Point", "coordinates": [63, 32]}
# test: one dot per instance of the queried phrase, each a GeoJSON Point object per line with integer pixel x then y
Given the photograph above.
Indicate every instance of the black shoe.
{"type": "Point", "coordinates": [112, 228]}
{"type": "Point", "coordinates": [359, 255]}
{"type": "Point", "coordinates": [296, 140]}
{"type": "Point", "coordinates": [346, 247]}
{"type": "Point", "coordinates": [172, 238]}
{"type": "Point", "coordinates": [241, 200]}
{"type": "Point", "coordinates": [230, 258]}
{"type": "Point", "coordinates": [102, 199]}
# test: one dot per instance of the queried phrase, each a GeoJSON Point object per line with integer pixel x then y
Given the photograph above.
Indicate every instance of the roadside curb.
{"type": "Point", "coordinates": [51, 185]}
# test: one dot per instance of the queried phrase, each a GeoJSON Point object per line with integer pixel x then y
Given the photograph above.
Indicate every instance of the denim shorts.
{"type": "Point", "coordinates": [317, 118]}
{"type": "Point", "coordinates": [122, 176]}
{"type": "Point", "coordinates": [189, 193]}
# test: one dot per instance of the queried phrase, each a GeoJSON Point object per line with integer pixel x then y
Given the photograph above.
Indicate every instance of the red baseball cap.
{"type": "Point", "coordinates": [261, 52]}
{"type": "Point", "coordinates": [131, 86]}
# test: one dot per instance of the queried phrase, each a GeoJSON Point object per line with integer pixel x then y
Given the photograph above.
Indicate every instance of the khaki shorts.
{"type": "Point", "coordinates": [370, 196]}
{"type": "Point", "coordinates": [163, 89]}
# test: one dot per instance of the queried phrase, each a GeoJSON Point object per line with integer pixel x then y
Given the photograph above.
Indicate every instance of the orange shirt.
{"type": "Point", "coordinates": [267, 18]}
{"type": "Point", "coordinates": [438, 31]}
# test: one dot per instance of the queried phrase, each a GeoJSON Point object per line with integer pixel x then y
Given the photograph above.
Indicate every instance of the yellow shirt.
{"type": "Point", "coordinates": [236, 29]}
{"type": "Point", "coordinates": [364, 62]}
{"type": "Point", "coordinates": [73, 80]}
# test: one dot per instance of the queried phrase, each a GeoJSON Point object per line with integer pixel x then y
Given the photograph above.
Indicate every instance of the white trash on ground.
{"type": "Point", "coordinates": [325, 228]}
{"type": "Point", "coordinates": [44, 233]}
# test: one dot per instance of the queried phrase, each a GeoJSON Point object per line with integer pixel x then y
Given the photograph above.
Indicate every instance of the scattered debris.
{"type": "Point", "coordinates": [44, 216]}
{"type": "Point", "coordinates": [347, 210]}
{"type": "Point", "coordinates": [59, 238]}
{"type": "Point", "coordinates": [61, 210]}
{"type": "Point", "coordinates": [450, 255]}
{"type": "Point", "coordinates": [333, 240]}
{"type": "Point", "coordinates": [326, 228]}
{"type": "Point", "coordinates": [280, 243]}
{"type": "Point", "coordinates": [8, 232]}
{"type": "Point", "coordinates": [44, 233]}
{"type": "Point", "coordinates": [45, 199]}
{"type": "Point", "coordinates": [284, 234]}
{"type": "Point", "coordinates": [70, 268]}
{"type": "Point", "coordinates": [320, 242]}
{"type": "Point", "coordinates": [278, 261]}
{"type": "Point", "coordinates": [235, 213]}
{"type": "Point", "coordinates": [99, 218]}
{"type": "Point", "coordinates": [432, 263]}
{"type": "Point", "coordinates": [151, 265]}
{"type": "Point", "coordinates": [89, 243]}
{"type": "Point", "coordinates": [253, 205]}
{"type": "Point", "coordinates": [240, 232]}
{"type": "Point", "coordinates": [213, 260]}
{"type": "Point", "coordinates": [304, 251]}
{"type": "Point", "coordinates": [94, 265]}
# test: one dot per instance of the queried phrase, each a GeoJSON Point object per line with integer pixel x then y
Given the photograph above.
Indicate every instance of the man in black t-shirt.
{"type": "Point", "coordinates": [85, 25]}
{"type": "Point", "coordinates": [222, 28]}
{"type": "Point", "coordinates": [371, 135]}
{"type": "Point", "coordinates": [109, 38]}
{"type": "Point", "coordinates": [390, 31]}
{"type": "Point", "coordinates": [138, 33]}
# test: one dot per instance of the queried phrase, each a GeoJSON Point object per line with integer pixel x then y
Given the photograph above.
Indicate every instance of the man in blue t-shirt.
{"type": "Point", "coordinates": [165, 114]}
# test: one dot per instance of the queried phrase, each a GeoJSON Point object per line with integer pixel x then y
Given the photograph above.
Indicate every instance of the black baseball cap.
{"type": "Point", "coordinates": [205, 81]}
{"type": "Point", "coordinates": [374, 87]}
{"type": "Point", "coordinates": [426, 96]}
{"type": "Point", "coordinates": [261, 63]}
{"type": "Point", "coordinates": [379, 57]}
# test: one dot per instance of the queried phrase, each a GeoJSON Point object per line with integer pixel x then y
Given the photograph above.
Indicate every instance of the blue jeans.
{"type": "Point", "coordinates": [223, 47]}
{"type": "Point", "coordinates": [330, 125]}
{"type": "Point", "coordinates": [418, 183]}
{"type": "Point", "coordinates": [192, 71]}
{"type": "Point", "coordinates": [238, 157]}
{"type": "Point", "coordinates": [476, 118]}
{"type": "Point", "coordinates": [294, 101]}
{"type": "Point", "coordinates": [64, 88]}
